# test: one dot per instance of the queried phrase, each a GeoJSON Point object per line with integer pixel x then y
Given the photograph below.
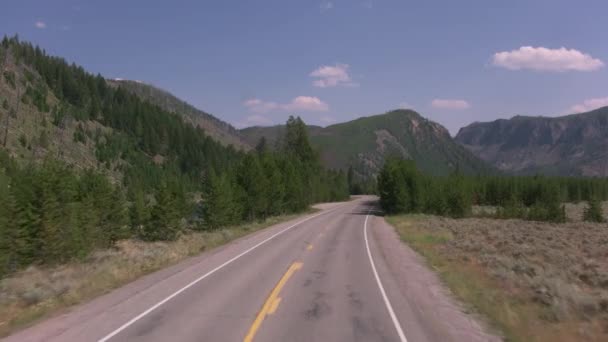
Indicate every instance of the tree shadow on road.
{"type": "Point", "coordinates": [369, 207]}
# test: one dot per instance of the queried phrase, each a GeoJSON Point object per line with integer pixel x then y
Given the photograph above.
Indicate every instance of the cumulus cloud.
{"type": "Point", "coordinates": [544, 59]}
{"type": "Point", "coordinates": [300, 103]}
{"type": "Point", "coordinates": [332, 76]}
{"type": "Point", "coordinates": [259, 106]}
{"type": "Point", "coordinates": [326, 6]}
{"type": "Point", "coordinates": [40, 24]}
{"type": "Point", "coordinates": [450, 104]}
{"type": "Point", "coordinates": [306, 103]}
{"type": "Point", "coordinates": [590, 104]}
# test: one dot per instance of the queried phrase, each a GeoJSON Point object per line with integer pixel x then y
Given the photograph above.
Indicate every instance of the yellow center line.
{"type": "Point", "coordinates": [272, 302]}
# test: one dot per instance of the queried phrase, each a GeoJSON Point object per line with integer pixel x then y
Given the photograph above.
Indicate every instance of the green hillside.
{"type": "Point", "coordinates": [84, 163]}
{"type": "Point", "coordinates": [365, 143]}
{"type": "Point", "coordinates": [214, 127]}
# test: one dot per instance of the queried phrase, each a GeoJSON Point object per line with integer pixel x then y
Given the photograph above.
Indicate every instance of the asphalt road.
{"type": "Point", "coordinates": [336, 275]}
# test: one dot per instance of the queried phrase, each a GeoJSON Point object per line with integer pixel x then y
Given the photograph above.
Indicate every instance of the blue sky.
{"type": "Point", "coordinates": [257, 61]}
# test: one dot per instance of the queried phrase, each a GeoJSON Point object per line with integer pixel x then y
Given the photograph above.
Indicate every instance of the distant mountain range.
{"type": "Point", "coordinates": [36, 122]}
{"type": "Point", "coordinates": [363, 143]}
{"type": "Point", "coordinates": [366, 142]}
{"type": "Point", "coordinates": [575, 145]}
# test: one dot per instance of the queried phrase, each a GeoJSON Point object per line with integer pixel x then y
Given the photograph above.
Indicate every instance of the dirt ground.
{"type": "Point", "coordinates": [559, 272]}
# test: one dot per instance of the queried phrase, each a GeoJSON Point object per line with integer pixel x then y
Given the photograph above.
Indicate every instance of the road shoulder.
{"type": "Point", "coordinates": [439, 315]}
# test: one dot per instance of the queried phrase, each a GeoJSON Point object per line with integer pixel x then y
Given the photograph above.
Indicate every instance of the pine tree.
{"type": "Point", "coordinates": [164, 220]}
{"type": "Point", "coordinates": [220, 205]}
{"type": "Point", "coordinates": [352, 187]}
{"type": "Point", "coordinates": [296, 140]}
{"type": "Point", "coordinates": [276, 186]}
{"type": "Point", "coordinates": [86, 229]}
{"type": "Point", "coordinates": [26, 239]}
{"type": "Point", "coordinates": [139, 211]}
{"type": "Point", "coordinates": [295, 197]}
{"type": "Point", "coordinates": [51, 218]}
{"type": "Point", "coordinates": [6, 227]}
{"type": "Point", "coordinates": [593, 211]}
{"type": "Point", "coordinates": [117, 216]}
{"type": "Point", "coordinates": [253, 181]}
{"type": "Point", "coordinates": [261, 147]}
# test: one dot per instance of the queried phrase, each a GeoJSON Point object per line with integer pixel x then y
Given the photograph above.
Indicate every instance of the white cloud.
{"type": "Point", "coordinates": [590, 104]}
{"type": "Point", "coordinates": [326, 6]}
{"type": "Point", "coordinates": [306, 103]}
{"type": "Point", "coordinates": [450, 104]}
{"type": "Point", "coordinates": [300, 103]}
{"type": "Point", "coordinates": [40, 24]}
{"type": "Point", "coordinates": [259, 106]}
{"type": "Point", "coordinates": [327, 119]}
{"type": "Point", "coordinates": [543, 59]}
{"type": "Point", "coordinates": [332, 76]}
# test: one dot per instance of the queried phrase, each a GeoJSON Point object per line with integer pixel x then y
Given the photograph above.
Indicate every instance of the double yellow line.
{"type": "Point", "coordinates": [272, 302]}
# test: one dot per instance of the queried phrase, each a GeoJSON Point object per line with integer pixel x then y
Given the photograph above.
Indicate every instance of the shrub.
{"type": "Point", "coordinates": [593, 212]}
{"type": "Point", "coordinates": [10, 78]}
{"type": "Point", "coordinates": [513, 208]}
{"type": "Point", "coordinates": [23, 139]}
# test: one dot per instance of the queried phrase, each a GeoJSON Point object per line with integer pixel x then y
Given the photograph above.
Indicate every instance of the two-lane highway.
{"type": "Point", "coordinates": [331, 276]}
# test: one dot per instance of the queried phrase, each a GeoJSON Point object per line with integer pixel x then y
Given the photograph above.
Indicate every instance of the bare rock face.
{"type": "Point", "coordinates": [569, 145]}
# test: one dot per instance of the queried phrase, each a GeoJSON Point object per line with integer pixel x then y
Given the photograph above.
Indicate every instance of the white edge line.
{"type": "Point", "coordinates": [176, 293]}
{"type": "Point", "coordinates": [384, 296]}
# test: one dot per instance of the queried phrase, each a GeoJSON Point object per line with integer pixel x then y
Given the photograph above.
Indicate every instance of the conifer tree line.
{"type": "Point", "coordinates": [173, 177]}
{"type": "Point", "coordinates": [360, 184]}
{"type": "Point", "coordinates": [404, 189]}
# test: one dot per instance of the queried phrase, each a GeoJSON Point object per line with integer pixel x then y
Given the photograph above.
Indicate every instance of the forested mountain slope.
{"type": "Point", "coordinates": [365, 143]}
{"type": "Point", "coordinates": [569, 145]}
{"type": "Point", "coordinates": [214, 127]}
{"type": "Point", "coordinates": [84, 164]}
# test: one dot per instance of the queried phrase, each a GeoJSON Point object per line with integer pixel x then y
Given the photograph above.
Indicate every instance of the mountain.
{"type": "Point", "coordinates": [85, 163]}
{"type": "Point", "coordinates": [214, 127]}
{"type": "Point", "coordinates": [32, 125]}
{"type": "Point", "coordinates": [573, 145]}
{"type": "Point", "coordinates": [364, 143]}
{"type": "Point", "coordinates": [53, 109]}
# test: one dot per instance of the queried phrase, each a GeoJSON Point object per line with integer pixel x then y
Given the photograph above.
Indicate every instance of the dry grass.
{"type": "Point", "coordinates": [534, 281]}
{"type": "Point", "coordinates": [36, 293]}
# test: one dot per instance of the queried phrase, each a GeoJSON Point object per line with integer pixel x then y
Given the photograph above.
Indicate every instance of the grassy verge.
{"type": "Point", "coordinates": [508, 307]}
{"type": "Point", "coordinates": [37, 293]}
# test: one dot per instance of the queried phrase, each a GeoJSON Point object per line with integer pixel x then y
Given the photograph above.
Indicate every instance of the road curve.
{"type": "Point", "coordinates": [337, 275]}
